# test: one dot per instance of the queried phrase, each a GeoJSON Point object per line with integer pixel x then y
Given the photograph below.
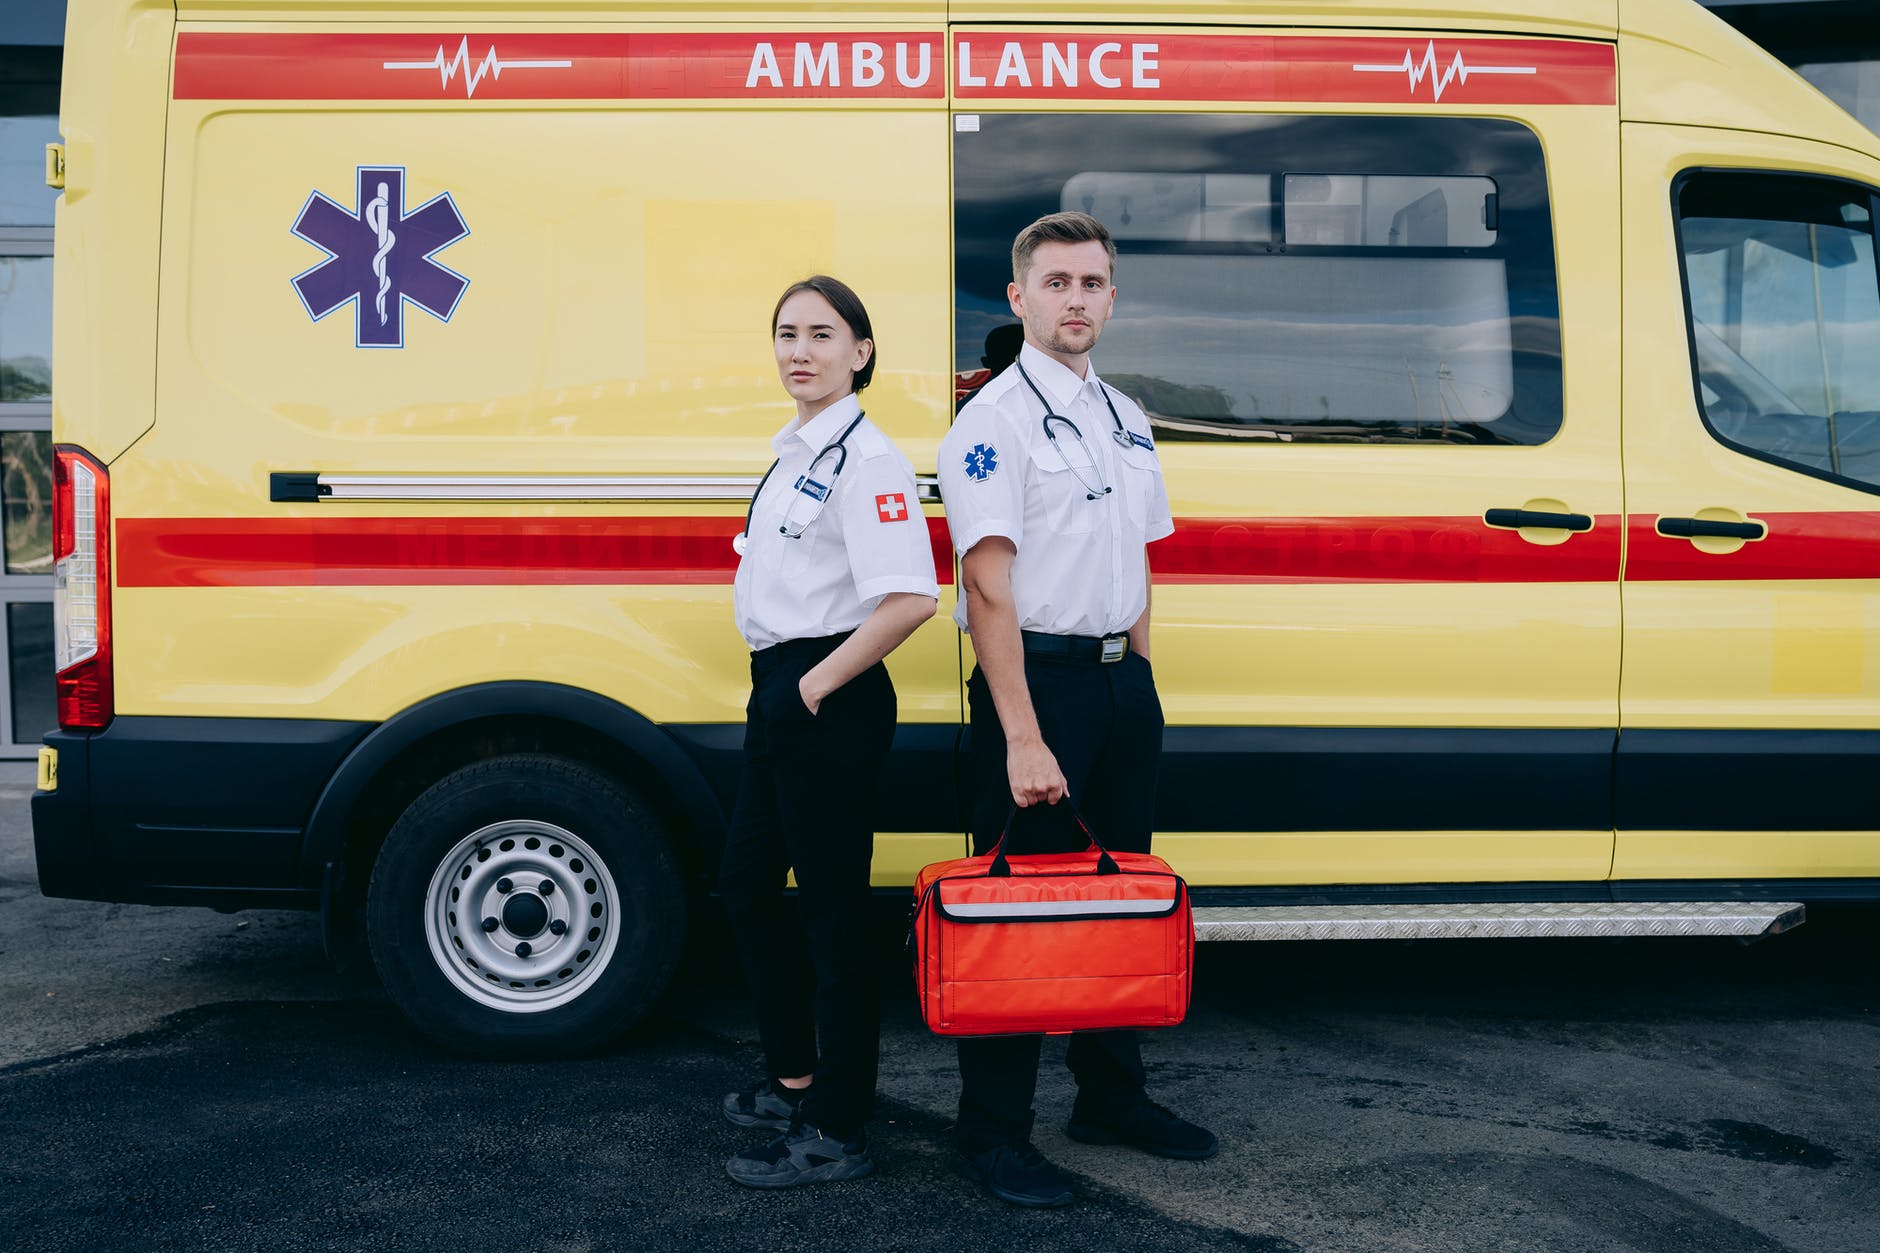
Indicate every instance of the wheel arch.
{"type": "Point", "coordinates": [416, 747]}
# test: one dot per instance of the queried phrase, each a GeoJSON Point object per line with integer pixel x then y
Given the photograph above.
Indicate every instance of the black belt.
{"type": "Point", "coordinates": [1097, 648]}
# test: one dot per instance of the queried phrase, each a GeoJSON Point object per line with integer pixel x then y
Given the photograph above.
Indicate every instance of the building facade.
{"type": "Point", "coordinates": [1826, 41]}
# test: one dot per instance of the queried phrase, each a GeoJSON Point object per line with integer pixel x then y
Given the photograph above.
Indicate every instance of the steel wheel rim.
{"type": "Point", "coordinates": [551, 969]}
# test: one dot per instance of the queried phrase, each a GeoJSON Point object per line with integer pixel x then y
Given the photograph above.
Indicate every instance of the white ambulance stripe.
{"type": "Point", "coordinates": [601, 487]}
{"type": "Point", "coordinates": [1048, 909]}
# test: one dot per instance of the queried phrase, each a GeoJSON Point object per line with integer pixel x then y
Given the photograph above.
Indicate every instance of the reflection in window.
{"type": "Point", "coordinates": [1336, 348]}
{"type": "Point", "coordinates": [26, 496]}
{"type": "Point", "coordinates": [1306, 279]}
{"type": "Point", "coordinates": [25, 200]}
{"type": "Point", "coordinates": [25, 328]}
{"type": "Point", "coordinates": [1784, 306]}
{"type": "Point", "coordinates": [29, 662]}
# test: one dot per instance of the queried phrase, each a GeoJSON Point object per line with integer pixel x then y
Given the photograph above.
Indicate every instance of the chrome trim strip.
{"type": "Point", "coordinates": [574, 487]}
{"type": "Point", "coordinates": [1552, 920]}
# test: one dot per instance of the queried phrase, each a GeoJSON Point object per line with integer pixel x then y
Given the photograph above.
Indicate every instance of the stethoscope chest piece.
{"type": "Point", "coordinates": [1122, 439]}
{"type": "Point", "coordinates": [740, 543]}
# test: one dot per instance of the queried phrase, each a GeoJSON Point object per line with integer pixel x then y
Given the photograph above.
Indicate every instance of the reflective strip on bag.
{"type": "Point", "coordinates": [1044, 909]}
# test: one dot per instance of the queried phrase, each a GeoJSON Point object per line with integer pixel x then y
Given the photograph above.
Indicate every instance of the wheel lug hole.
{"type": "Point", "coordinates": [505, 885]}
{"type": "Point", "coordinates": [490, 924]}
{"type": "Point", "coordinates": [524, 949]}
{"type": "Point", "coordinates": [557, 927]}
{"type": "Point", "coordinates": [548, 887]}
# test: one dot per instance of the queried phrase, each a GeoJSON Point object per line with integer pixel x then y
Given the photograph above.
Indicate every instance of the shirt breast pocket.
{"type": "Point", "coordinates": [1066, 491]}
{"type": "Point", "coordinates": [1137, 476]}
{"type": "Point", "coordinates": [785, 518]}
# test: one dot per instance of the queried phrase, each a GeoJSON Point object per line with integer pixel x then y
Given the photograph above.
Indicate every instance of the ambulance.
{"type": "Point", "coordinates": [1514, 369]}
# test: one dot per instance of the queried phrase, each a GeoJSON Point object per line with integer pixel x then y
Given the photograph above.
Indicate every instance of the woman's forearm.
{"type": "Point", "coordinates": [895, 618]}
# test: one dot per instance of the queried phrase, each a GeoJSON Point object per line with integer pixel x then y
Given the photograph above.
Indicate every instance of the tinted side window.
{"type": "Point", "coordinates": [1305, 279]}
{"type": "Point", "coordinates": [1784, 306]}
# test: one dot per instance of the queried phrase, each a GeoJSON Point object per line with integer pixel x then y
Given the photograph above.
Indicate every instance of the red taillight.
{"type": "Point", "coordinates": [81, 588]}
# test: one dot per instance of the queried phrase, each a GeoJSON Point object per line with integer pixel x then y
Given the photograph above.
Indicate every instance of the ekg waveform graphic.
{"type": "Point", "coordinates": [1440, 76]}
{"type": "Point", "coordinates": [490, 66]}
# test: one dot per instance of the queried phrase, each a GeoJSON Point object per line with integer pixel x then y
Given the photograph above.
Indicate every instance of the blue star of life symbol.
{"type": "Point", "coordinates": [982, 461]}
{"type": "Point", "coordinates": [379, 257]}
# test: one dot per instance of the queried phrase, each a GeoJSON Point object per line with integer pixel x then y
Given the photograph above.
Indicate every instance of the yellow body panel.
{"type": "Point", "coordinates": [1747, 855]}
{"type": "Point", "coordinates": [1729, 652]}
{"type": "Point", "coordinates": [1219, 858]}
{"type": "Point", "coordinates": [107, 223]}
{"type": "Point", "coordinates": [646, 358]}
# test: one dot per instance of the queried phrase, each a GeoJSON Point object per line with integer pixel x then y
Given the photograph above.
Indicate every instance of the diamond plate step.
{"type": "Point", "coordinates": [1495, 921]}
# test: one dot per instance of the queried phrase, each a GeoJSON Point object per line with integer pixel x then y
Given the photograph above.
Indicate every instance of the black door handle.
{"type": "Point", "coordinates": [1534, 518]}
{"type": "Point", "coordinates": [1692, 528]}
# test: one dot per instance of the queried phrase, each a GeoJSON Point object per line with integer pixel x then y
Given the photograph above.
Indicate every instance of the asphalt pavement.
{"type": "Point", "coordinates": [175, 1078]}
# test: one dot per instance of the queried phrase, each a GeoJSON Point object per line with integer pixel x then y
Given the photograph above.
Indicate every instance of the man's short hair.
{"type": "Point", "coordinates": [1069, 227]}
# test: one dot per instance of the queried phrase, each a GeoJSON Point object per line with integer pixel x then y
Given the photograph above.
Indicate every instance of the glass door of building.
{"type": "Point", "coordinates": [29, 93]}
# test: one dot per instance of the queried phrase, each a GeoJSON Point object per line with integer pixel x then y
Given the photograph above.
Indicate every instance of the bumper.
{"type": "Point", "coordinates": [200, 811]}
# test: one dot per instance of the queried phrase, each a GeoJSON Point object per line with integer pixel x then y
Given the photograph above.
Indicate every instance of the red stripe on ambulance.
{"type": "Point", "coordinates": [410, 552]}
{"type": "Point", "coordinates": [988, 66]}
{"type": "Point", "coordinates": [345, 552]}
{"type": "Point", "coordinates": [708, 65]}
{"type": "Point", "coordinates": [1825, 545]}
{"type": "Point", "coordinates": [1378, 550]}
{"type": "Point", "coordinates": [1421, 70]}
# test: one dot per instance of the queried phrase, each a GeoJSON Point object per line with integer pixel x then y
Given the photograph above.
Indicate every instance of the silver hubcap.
{"type": "Point", "coordinates": [522, 916]}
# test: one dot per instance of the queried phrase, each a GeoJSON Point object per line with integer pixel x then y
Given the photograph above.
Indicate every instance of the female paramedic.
{"type": "Point", "coordinates": [835, 569]}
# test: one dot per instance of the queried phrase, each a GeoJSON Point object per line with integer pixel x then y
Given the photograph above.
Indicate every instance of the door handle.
{"type": "Point", "coordinates": [1522, 518]}
{"type": "Point", "coordinates": [1694, 528]}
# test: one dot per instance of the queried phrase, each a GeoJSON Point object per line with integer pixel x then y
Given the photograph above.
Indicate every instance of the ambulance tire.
{"type": "Point", "coordinates": [525, 907]}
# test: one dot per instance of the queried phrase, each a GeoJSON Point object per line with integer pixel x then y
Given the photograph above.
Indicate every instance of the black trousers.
{"type": "Point", "coordinates": [1104, 724]}
{"type": "Point", "coordinates": [806, 802]}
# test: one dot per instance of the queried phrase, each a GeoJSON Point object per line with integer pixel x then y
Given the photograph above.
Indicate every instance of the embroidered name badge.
{"type": "Point", "coordinates": [982, 462]}
{"type": "Point", "coordinates": [811, 488]}
{"type": "Point", "coordinates": [380, 257]}
{"type": "Point", "coordinates": [891, 508]}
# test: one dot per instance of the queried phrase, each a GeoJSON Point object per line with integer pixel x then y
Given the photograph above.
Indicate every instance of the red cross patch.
{"type": "Point", "coordinates": [892, 508]}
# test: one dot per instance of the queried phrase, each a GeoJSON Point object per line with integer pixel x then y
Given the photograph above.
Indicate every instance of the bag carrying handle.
{"type": "Point", "coordinates": [1002, 869]}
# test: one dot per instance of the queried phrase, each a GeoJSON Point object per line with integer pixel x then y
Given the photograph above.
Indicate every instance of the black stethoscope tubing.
{"type": "Point", "coordinates": [841, 447]}
{"type": "Point", "coordinates": [1121, 434]}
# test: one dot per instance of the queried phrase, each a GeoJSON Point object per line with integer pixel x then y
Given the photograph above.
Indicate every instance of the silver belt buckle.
{"type": "Point", "coordinates": [1114, 646]}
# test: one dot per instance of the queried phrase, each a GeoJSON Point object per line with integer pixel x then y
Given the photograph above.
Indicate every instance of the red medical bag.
{"type": "Point", "coordinates": [1089, 941]}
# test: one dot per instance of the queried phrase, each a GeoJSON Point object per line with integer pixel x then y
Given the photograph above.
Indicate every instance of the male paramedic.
{"type": "Point", "coordinates": [1053, 493]}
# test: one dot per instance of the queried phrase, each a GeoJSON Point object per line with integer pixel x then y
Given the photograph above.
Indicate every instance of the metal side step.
{"type": "Point", "coordinates": [1495, 921]}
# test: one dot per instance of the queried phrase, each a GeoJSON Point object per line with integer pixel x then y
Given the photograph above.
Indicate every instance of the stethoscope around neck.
{"type": "Point", "coordinates": [1120, 434]}
{"type": "Point", "coordinates": [797, 516]}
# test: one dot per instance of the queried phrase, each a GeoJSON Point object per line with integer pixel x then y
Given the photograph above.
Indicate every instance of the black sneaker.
{"type": "Point", "coordinates": [1144, 1125]}
{"type": "Point", "coordinates": [801, 1155]}
{"type": "Point", "coordinates": [1018, 1174]}
{"type": "Point", "coordinates": [769, 1105]}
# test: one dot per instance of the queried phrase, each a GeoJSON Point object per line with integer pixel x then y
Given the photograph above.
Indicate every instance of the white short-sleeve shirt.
{"type": "Point", "coordinates": [868, 537]}
{"type": "Point", "coordinates": [1079, 568]}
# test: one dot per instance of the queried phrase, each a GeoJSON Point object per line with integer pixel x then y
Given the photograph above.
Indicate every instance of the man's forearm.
{"type": "Point", "coordinates": [897, 616]}
{"type": "Point", "coordinates": [1001, 654]}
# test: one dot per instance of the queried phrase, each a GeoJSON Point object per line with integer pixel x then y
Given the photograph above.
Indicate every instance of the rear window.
{"type": "Point", "coordinates": [1304, 279]}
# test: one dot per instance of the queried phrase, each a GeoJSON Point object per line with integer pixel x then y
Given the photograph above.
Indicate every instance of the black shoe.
{"type": "Point", "coordinates": [769, 1105]}
{"type": "Point", "coordinates": [1019, 1174]}
{"type": "Point", "coordinates": [1144, 1125]}
{"type": "Point", "coordinates": [802, 1154]}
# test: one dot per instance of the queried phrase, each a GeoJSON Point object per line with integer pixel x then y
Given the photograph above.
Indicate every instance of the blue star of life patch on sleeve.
{"type": "Point", "coordinates": [982, 462]}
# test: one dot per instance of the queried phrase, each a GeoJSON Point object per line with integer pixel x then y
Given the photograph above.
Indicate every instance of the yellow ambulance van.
{"type": "Point", "coordinates": [1514, 368]}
